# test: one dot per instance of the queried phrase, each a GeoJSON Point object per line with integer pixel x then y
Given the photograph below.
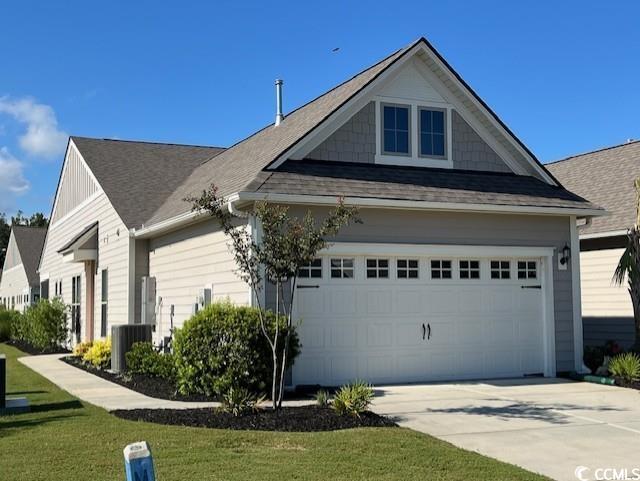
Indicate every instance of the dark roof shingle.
{"type": "Point", "coordinates": [30, 241]}
{"type": "Point", "coordinates": [309, 177]}
{"type": "Point", "coordinates": [239, 165]}
{"type": "Point", "coordinates": [605, 177]}
{"type": "Point", "coordinates": [137, 177]}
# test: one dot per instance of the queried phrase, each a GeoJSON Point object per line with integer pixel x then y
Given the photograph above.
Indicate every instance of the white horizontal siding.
{"type": "Point", "coordinates": [186, 261]}
{"type": "Point", "coordinates": [113, 255]}
{"type": "Point", "coordinates": [600, 296]}
{"type": "Point", "coordinates": [13, 285]}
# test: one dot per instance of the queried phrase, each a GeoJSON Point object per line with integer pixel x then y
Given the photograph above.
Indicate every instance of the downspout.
{"type": "Point", "coordinates": [233, 210]}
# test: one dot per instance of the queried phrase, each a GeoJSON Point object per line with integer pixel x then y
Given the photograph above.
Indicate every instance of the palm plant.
{"type": "Point", "coordinates": [629, 266]}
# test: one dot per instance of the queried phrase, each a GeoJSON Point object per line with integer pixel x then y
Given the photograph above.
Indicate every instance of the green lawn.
{"type": "Point", "coordinates": [64, 439]}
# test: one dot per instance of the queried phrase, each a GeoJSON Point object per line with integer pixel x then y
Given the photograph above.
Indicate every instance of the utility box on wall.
{"type": "Point", "coordinates": [148, 297]}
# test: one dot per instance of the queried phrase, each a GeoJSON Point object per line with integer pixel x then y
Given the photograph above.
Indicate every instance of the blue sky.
{"type": "Point", "coordinates": [562, 74]}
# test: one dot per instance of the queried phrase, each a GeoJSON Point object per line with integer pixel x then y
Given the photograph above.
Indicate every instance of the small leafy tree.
{"type": "Point", "coordinates": [629, 266]}
{"type": "Point", "coordinates": [288, 243]}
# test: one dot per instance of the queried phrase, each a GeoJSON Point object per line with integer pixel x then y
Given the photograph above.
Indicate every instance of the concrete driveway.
{"type": "Point", "coordinates": [549, 426]}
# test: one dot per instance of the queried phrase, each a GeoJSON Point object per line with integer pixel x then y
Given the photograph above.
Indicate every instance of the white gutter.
{"type": "Point", "coordinates": [183, 220]}
{"type": "Point", "coordinates": [598, 235]}
{"type": "Point", "coordinates": [363, 202]}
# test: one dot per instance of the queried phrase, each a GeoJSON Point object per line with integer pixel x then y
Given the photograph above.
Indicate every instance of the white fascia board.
{"type": "Point", "coordinates": [456, 250]}
{"type": "Point", "coordinates": [598, 235]}
{"type": "Point", "coordinates": [367, 202]}
{"type": "Point", "coordinates": [176, 222]}
{"type": "Point", "coordinates": [488, 114]}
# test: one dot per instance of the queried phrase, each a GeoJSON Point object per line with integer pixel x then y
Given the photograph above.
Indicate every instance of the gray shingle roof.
{"type": "Point", "coordinates": [308, 177]}
{"type": "Point", "coordinates": [139, 176]}
{"type": "Point", "coordinates": [604, 177]}
{"type": "Point", "coordinates": [30, 241]}
{"type": "Point", "coordinates": [239, 165]}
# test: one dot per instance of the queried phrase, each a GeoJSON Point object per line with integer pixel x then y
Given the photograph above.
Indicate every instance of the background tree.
{"type": "Point", "coordinates": [629, 267]}
{"type": "Point", "coordinates": [288, 243]}
{"type": "Point", "coordinates": [36, 220]}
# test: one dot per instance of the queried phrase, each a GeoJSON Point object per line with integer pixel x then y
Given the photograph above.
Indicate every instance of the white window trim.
{"type": "Point", "coordinates": [414, 159]}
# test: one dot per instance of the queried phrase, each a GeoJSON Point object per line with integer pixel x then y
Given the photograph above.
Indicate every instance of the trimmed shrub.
{"type": "Point", "coordinates": [322, 398]}
{"type": "Point", "coordinates": [99, 354]}
{"type": "Point", "coordinates": [593, 357]}
{"type": "Point", "coordinates": [8, 319]}
{"type": "Point", "coordinates": [144, 359]}
{"type": "Point", "coordinates": [626, 367]}
{"type": "Point", "coordinates": [353, 399]}
{"type": "Point", "coordinates": [223, 346]}
{"type": "Point", "coordinates": [80, 349]}
{"type": "Point", "coordinates": [240, 401]}
{"type": "Point", "coordinates": [43, 325]}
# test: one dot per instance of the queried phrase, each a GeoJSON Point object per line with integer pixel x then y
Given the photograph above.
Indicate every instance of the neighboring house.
{"type": "Point", "coordinates": [20, 284]}
{"type": "Point", "coordinates": [605, 177]}
{"type": "Point", "coordinates": [461, 269]}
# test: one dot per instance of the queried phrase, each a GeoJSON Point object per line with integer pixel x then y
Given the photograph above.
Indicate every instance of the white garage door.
{"type": "Point", "coordinates": [410, 318]}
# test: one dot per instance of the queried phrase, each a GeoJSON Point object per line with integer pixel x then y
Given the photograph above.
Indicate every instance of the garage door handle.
{"type": "Point", "coordinates": [428, 331]}
{"type": "Point", "coordinates": [424, 331]}
{"type": "Point", "coordinates": [309, 287]}
{"type": "Point", "coordinates": [531, 287]}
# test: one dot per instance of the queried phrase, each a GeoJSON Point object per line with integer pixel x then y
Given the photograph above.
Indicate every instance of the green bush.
{"type": "Point", "coordinates": [353, 399]}
{"type": "Point", "coordinates": [240, 401]}
{"type": "Point", "coordinates": [99, 354]}
{"type": "Point", "coordinates": [144, 359]}
{"type": "Point", "coordinates": [8, 320]}
{"type": "Point", "coordinates": [43, 325]}
{"type": "Point", "coordinates": [322, 398]}
{"type": "Point", "coordinates": [625, 366]}
{"type": "Point", "coordinates": [223, 346]}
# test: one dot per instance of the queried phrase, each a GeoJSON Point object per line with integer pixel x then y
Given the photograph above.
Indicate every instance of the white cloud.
{"type": "Point", "coordinates": [42, 138]}
{"type": "Point", "coordinates": [12, 180]}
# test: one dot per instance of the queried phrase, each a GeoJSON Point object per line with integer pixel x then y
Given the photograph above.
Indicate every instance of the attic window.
{"type": "Point", "coordinates": [395, 129]}
{"type": "Point", "coordinates": [432, 132]}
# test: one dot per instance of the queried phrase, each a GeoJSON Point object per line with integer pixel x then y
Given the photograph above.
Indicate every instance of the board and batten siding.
{"type": "Point", "coordinates": [186, 261]}
{"type": "Point", "coordinates": [450, 228]}
{"type": "Point", "coordinates": [113, 255]}
{"type": "Point", "coordinates": [77, 185]}
{"type": "Point", "coordinates": [607, 312]}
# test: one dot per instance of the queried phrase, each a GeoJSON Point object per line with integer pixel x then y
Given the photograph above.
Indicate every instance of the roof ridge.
{"type": "Point", "coordinates": [583, 154]}
{"type": "Point", "coordinates": [150, 142]}
{"type": "Point", "coordinates": [28, 226]}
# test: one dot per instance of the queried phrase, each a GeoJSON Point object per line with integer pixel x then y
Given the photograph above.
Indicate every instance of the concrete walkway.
{"type": "Point", "coordinates": [105, 394]}
{"type": "Point", "coordinates": [549, 426]}
{"type": "Point", "coordinates": [98, 391]}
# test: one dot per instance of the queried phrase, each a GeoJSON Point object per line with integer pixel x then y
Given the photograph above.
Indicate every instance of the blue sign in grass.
{"type": "Point", "coordinates": [138, 462]}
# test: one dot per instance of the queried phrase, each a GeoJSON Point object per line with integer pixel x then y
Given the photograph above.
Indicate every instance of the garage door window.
{"type": "Point", "coordinates": [469, 269]}
{"type": "Point", "coordinates": [407, 268]}
{"type": "Point", "coordinates": [441, 269]}
{"type": "Point", "coordinates": [377, 268]}
{"type": "Point", "coordinates": [313, 270]}
{"type": "Point", "coordinates": [342, 268]}
{"type": "Point", "coordinates": [527, 270]}
{"type": "Point", "coordinates": [500, 270]}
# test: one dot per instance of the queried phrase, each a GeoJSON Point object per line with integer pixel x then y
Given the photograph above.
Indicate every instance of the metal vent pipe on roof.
{"type": "Point", "coordinates": [279, 115]}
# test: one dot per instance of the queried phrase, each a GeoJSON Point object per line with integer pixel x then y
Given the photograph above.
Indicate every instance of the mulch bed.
{"type": "Point", "coordinates": [34, 351]}
{"type": "Point", "coordinates": [631, 385]}
{"type": "Point", "coordinates": [149, 386]}
{"type": "Point", "coordinates": [288, 419]}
